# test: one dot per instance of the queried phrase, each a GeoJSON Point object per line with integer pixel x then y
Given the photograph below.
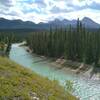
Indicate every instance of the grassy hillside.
{"type": "Point", "coordinates": [18, 83]}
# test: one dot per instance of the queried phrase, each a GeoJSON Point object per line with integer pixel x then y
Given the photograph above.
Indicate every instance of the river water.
{"type": "Point", "coordinates": [84, 89]}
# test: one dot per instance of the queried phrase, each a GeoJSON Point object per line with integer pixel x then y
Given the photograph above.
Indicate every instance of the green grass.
{"type": "Point", "coordinates": [19, 82]}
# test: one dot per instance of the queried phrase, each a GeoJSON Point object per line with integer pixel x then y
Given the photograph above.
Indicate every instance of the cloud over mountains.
{"type": "Point", "coordinates": [46, 10]}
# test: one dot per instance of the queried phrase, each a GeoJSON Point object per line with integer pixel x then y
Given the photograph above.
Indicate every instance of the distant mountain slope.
{"type": "Point", "coordinates": [19, 24]}
{"type": "Point", "coordinates": [11, 24]}
{"type": "Point", "coordinates": [89, 23]}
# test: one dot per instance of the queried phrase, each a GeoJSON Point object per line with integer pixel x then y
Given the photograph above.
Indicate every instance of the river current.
{"type": "Point", "coordinates": [84, 89]}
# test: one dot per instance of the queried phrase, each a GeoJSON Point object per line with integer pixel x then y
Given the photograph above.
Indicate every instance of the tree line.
{"type": "Point", "coordinates": [5, 42]}
{"type": "Point", "coordinates": [73, 44]}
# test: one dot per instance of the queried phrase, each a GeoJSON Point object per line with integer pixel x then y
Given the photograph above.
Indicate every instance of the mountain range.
{"type": "Point", "coordinates": [19, 24]}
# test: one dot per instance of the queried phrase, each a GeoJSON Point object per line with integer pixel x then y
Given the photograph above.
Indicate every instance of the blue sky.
{"type": "Point", "coordinates": [47, 10]}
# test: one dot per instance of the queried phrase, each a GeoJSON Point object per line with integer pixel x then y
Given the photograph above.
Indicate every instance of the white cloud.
{"type": "Point", "coordinates": [45, 10]}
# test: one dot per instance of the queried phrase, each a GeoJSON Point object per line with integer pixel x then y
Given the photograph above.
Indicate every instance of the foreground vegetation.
{"type": "Point", "coordinates": [18, 83]}
{"type": "Point", "coordinates": [72, 44]}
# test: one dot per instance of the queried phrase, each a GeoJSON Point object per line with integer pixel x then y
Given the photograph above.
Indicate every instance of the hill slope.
{"type": "Point", "coordinates": [19, 83]}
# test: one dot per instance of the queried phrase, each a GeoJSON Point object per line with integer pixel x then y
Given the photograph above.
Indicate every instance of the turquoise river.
{"type": "Point", "coordinates": [85, 89]}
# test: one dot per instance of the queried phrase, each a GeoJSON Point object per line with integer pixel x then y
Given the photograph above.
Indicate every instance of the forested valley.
{"type": "Point", "coordinates": [77, 44]}
{"type": "Point", "coordinates": [74, 44]}
{"type": "Point", "coordinates": [19, 83]}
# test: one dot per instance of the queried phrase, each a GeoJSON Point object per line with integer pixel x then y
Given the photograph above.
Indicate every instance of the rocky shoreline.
{"type": "Point", "coordinates": [83, 70]}
{"type": "Point", "coordinates": [80, 69]}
